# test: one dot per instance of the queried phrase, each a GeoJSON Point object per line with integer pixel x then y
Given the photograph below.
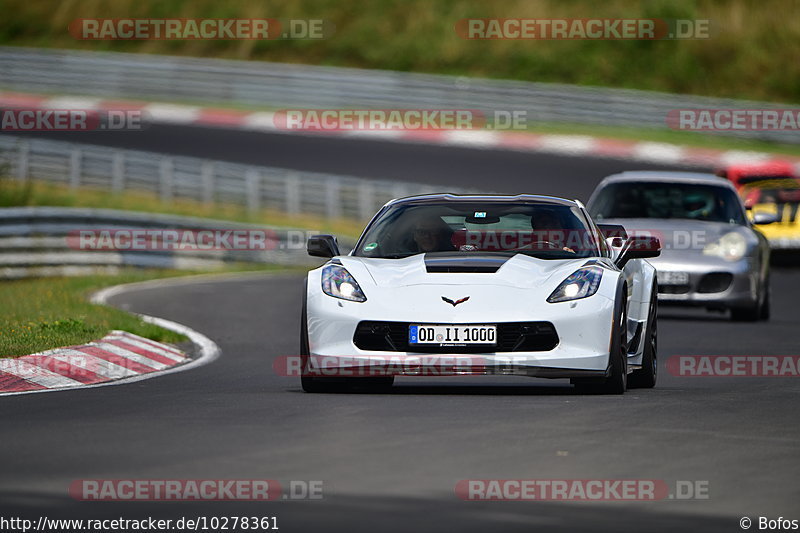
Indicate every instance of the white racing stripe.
{"type": "Point", "coordinates": [661, 152]}
{"type": "Point", "coordinates": [474, 138]}
{"type": "Point", "coordinates": [94, 364]}
{"type": "Point", "coordinates": [71, 102]}
{"type": "Point", "coordinates": [263, 120]}
{"type": "Point", "coordinates": [148, 342]}
{"type": "Point", "coordinates": [36, 374]}
{"type": "Point", "coordinates": [177, 114]}
{"type": "Point", "coordinates": [567, 144]}
{"type": "Point", "coordinates": [133, 356]}
{"type": "Point", "coordinates": [145, 346]}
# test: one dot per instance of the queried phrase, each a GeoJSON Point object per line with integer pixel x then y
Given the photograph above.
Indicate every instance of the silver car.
{"type": "Point", "coordinates": [712, 255]}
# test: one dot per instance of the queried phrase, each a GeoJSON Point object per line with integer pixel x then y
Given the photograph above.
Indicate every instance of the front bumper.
{"type": "Point", "coordinates": [711, 283]}
{"type": "Point", "coordinates": [429, 365]}
{"type": "Point", "coordinates": [583, 328]}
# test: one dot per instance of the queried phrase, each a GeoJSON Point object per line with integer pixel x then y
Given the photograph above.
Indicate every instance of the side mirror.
{"type": "Point", "coordinates": [763, 219]}
{"type": "Point", "coordinates": [322, 246]}
{"type": "Point", "coordinates": [614, 234]}
{"type": "Point", "coordinates": [613, 230]}
{"type": "Point", "coordinates": [639, 247]}
{"type": "Point", "coordinates": [752, 198]}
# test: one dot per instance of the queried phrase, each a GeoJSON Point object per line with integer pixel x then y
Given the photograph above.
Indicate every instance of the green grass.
{"type": "Point", "coordinates": [36, 193]}
{"type": "Point", "coordinates": [752, 53]}
{"type": "Point", "coordinates": [46, 313]}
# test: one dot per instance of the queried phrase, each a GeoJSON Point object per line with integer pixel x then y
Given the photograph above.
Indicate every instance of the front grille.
{"type": "Point", "coordinates": [511, 337]}
{"type": "Point", "coordinates": [673, 289]}
{"type": "Point", "coordinates": [715, 282]}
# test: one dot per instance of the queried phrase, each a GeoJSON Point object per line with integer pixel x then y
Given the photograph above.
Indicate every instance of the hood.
{"type": "Point", "coordinates": [519, 270]}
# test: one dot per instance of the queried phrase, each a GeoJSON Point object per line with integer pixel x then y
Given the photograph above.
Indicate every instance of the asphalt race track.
{"type": "Point", "coordinates": [390, 461]}
{"type": "Point", "coordinates": [502, 171]}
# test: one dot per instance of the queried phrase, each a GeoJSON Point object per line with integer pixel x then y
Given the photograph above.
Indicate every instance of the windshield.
{"type": "Point", "coordinates": [667, 200]}
{"type": "Point", "coordinates": [544, 230]}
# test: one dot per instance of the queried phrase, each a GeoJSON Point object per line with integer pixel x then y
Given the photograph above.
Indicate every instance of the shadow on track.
{"type": "Point", "coordinates": [355, 513]}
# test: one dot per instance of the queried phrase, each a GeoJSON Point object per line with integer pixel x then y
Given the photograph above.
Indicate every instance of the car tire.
{"type": "Point", "coordinates": [617, 380]}
{"type": "Point", "coordinates": [313, 384]}
{"type": "Point", "coordinates": [646, 377]}
{"type": "Point", "coordinates": [750, 313]}
{"type": "Point", "coordinates": [316, 385]}
{"type": "Point", "coordinates": [765, 305]}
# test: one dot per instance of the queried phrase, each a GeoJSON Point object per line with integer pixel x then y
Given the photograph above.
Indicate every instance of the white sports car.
{"type": "Point", "coordinates": [510, 285]}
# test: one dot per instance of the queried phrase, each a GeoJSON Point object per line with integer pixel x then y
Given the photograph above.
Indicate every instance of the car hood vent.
{"type": "Point", "coordinates": [455, 264]}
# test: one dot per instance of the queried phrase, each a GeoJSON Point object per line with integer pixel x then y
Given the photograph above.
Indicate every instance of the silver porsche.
{"type": "Point", "coordinates": [712, 255]}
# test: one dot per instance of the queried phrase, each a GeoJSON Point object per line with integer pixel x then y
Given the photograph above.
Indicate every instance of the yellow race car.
{"type": "Point", "coordinates": [771, 193]}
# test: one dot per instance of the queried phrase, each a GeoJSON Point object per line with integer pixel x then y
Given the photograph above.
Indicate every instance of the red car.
{"type": "Point", "coordinates": [767, 182]}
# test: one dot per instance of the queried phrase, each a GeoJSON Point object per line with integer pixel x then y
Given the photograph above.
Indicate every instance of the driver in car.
{"type": "Point", "coordinates": [432, 234]}
{"type": "Point", "coordinates": [548, 229]}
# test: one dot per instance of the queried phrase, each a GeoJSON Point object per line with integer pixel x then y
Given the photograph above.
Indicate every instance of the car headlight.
{"type": "Point", "coordinates": [731, 247]}
{"type": "Point", "coordinates": [580, 284]}
{"type": "Point", "coordinates": [337, 282]}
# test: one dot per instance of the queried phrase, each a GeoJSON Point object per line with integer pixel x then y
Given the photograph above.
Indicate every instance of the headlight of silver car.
{"type": "Point", "coordinates": [337, 282]}
{"type": "Point", "coordinates": [580, 284]}
{"type": "Point", "coordinates": [731, 247]}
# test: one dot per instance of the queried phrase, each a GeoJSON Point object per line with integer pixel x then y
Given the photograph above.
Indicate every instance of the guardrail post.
{"type": "Point", "coordinates": [23, 158]}
{"type": "Point", "coordinates": [292, 185]}
{"type": "Point", "coordinates": [207, 178]}
{"type": "Point", "coordinates": [366, 201]}
{"type": "Point", "coordinates": [165, 174]}
{"type": "Point", "coordinates": [253, 180]}
{"type": "Point", "coordinates": [333, 205]}
{"type": "Point", "coordinates": [75, 157]}
{"type": "Point", "coordinates": [118, 172]}
{"type": "Point", "coordinates": [399, 191]}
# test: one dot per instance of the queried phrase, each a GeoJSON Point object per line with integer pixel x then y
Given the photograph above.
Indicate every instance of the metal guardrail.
{"type": "Point", "coordinates": [39, 241]}
{"type": "Point", "coordinates": [277, 85]}
{"type": "Point", "coordinates": [172, 178]}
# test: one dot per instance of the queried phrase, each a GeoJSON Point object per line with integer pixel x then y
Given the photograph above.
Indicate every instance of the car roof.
{"type": "Point", "coordinates": [499, 198]}
{"type": "Point", "coordinates": [668, 176]}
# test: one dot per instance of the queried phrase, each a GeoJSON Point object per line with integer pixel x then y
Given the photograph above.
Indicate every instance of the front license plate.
{"type": "Point", "coordinates": [452, 334]}
{"type": "Point", "coordinates": [672, 278]}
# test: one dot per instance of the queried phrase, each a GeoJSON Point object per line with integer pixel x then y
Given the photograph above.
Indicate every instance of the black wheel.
{"type": "Point", "coordinates": [617, 380]}
{"type": "Point", "coordinates": [758, 310]}
{"type": "Point", "coordinates": [749, 313]}
{"type": "Point", "coordinates": [645, 378]}
{"type": "Point", "coordinates": [765, 304]}
{"type": "Point", "coordinates": [313, 384]}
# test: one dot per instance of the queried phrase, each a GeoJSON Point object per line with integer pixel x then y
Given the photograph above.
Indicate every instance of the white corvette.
{"type": "Point", "coordinates": [511, 285]}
